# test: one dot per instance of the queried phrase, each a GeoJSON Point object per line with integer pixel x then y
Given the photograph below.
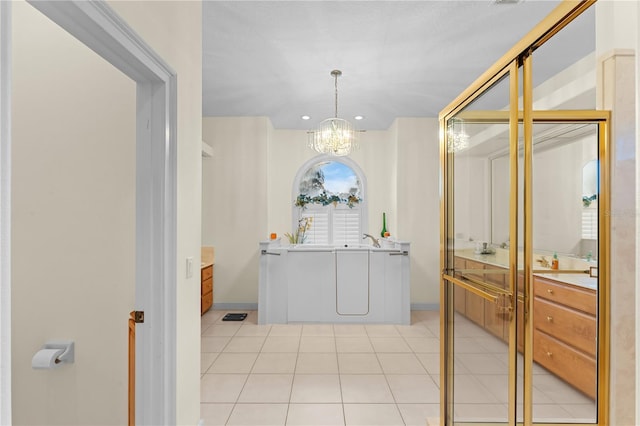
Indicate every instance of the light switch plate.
{"type": "Point", "coordinates": [189, 267]}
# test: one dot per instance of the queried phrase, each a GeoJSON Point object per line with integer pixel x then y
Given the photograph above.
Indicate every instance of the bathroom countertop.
{"type": "Point", "coordinates": [207, 257]}
{"type": "Point", "coordinates": [500, 259]}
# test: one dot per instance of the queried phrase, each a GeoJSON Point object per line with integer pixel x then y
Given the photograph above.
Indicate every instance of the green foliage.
{"type": "Point", "coordinates": [324, 199]}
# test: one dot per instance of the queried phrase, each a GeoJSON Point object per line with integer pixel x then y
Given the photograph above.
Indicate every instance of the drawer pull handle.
{"type": "Point", "coordinates": [549, 318]}
{"type": "Point", "coordinates": [549, 354]}
{"type": "Point", "coordinates": [550, 291]}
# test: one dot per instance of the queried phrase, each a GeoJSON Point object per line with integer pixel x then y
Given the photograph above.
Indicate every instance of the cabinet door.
{"type": "Point", "coordinates": [312, 286]}
{"type": "Point", "coordinates": [474, 304]}
{"type": "Point", "coordinates": [352, 282]}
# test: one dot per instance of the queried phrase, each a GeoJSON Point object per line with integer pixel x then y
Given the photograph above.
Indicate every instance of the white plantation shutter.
{"type": "Point", "coordinates": [319, 231]}
{"type": "Point", "coordinates": [346, 226]}
{"type": "Point", "coordinates": [590, 223]}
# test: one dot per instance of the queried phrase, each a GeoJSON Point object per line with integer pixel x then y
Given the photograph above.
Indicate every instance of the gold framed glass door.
{"type": "Point", "coordinates": [524, 247]}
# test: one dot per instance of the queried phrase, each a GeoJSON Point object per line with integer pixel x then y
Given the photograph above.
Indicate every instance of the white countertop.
{"type": "Point", "coordinates": [500, 259]}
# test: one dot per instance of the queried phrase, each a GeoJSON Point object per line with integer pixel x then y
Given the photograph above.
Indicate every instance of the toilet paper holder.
{"type": "Point", "coordinates": [67, 356]}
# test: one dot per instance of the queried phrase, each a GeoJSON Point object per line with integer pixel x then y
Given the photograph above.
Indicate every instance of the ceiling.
{"type": "Point", "coordinates": [398, 58]}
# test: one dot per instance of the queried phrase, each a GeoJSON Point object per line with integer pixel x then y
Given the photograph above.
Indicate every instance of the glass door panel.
{"type": "Point", "coordinates": [565, 194]}
{"type": "Point", "coordinates": [478, 258]}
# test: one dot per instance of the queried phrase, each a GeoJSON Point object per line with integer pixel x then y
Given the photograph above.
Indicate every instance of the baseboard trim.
{"type": "Point", "coordinates": [254, 306]}
{"type": "Point", "coordinates": [425, 306]}
{"type": "Point", "coordinates": [235, 306]}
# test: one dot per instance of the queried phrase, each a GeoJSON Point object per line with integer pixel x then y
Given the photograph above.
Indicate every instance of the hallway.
{"type": "Point", "coordinates": [357, 375]}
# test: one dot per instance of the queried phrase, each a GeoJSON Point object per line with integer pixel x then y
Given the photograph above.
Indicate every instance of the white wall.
{"type": "Point", "coordinates": [74, 205]}
{"type": "Point", "coordinates": [73, 253]}
{"type": "Point", "coordinates": [254, 165]}
{"type": "Point", "coordinates": [174, 30]}
{"type": "Point", "coordinates": [418, 203]}
{"type": "Point", "coordinates": [235, 203]}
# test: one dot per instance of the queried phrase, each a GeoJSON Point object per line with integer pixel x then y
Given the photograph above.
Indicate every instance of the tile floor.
{"type": "Point", "coordinates": [347, 374]}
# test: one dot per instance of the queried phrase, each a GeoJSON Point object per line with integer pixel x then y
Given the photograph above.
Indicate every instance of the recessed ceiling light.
{"type": "Point", "coordinates": [359, 117]}
{"type": "Point", "coordinates": [305, 117]}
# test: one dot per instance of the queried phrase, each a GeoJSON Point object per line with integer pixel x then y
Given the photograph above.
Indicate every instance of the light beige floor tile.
{"type": "Point", "coordinates": [237, 363]}
{"type": "Point", "coordinates": [258, 415]}
{"type": "Point", "coordinates": [431, 362]}
{"type": "Point", "coordinates": [413, 331]}
{"type": "Point", "coordinates": [417, 414]}
{"type": "Point", "coordinates": [372, 415]}
{"type": "Point", "coordinates": [356, 344]}
{"type": "Point", "coordinates": [210, 317]}
{"type": "Point", "coordinates": [481, 412]}
{"type": "Point", "coordinates": [358, 363]}
{"type": "Point", "coordinates": [497, 384]}
{"type": "Point", "coordinates": [215, 414]}
{"type": "Point", "coordinates": [483, 364]}
{"type": "Point", "coordinates": [408, 389]}
{"type": "Point", "coordinates": [290, 330]}
{"type": "Point", "coordinates": [253, 330]}
{"type": "Point", "coordinates": [317, 330]}
{"type": "Point", "coordinates": [349, 330]}
{"type": "Point", "coordinates": [317, 363]}
{"type": "Point", "coordinates": [493, 345]}
{"type": "Point", "coordinates": [267, 388]}
{"type": "Point", "coordinates": [221, 330]}
{"type": "Point", "coordinates": [275, 363]}
{"type": "Point", "coordinates": [558, 391]}
{"type": "Point", "coordinates": [389, 344]}
{"type": "Point", "coordinates": [315, 388]}
{"type": "Point", "coordinates": [206, 359]}
{"type": "Point", "coordinates": [550, 413]}
{"type": "Point", "coordinates": [213, 344]}
{"type": "Point", "coordinates": [584, 412]}
{"type": "Point", "coordinates": [221, 387]}
{"type": "Point", "coordinates": [400, 364]}
{"type": "Point", "coordinates": [252, 318]}
{"type": "Point", "coordinates": [315, 415]}
{"type": "Point", "coordinates": [468, 390]}
{"type": "Point", "coordinates": [245, 344]}
{"type": "Point", "coordinates": [317, 344]}
{"type": "Point", "coordinates": [423, 344]}
{"type": "Point", "coordinates": [281, 344]}
{"type": "Point", "coordinates": [365, 388]}
{"type": "Point", "coordinates": [381, 330]}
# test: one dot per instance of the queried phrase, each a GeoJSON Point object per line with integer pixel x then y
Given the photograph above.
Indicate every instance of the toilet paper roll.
{"type": "Point", "coordinates": [46, 358]}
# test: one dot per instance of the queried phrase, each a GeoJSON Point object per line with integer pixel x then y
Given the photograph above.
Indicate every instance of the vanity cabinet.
{"type": "Point", "coordinates": [206, 288]}
{"type": "Point", "coordinates": [564, 322]}
{"type": "Point", "coordinates": [565, 332]}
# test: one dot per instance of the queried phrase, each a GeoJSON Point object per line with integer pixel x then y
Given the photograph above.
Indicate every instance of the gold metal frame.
{"type": "Point", "coordinates": [521, 55]}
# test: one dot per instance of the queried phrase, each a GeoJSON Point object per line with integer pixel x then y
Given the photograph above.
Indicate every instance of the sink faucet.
{"type": "Point", "coordinates": [375, 242]}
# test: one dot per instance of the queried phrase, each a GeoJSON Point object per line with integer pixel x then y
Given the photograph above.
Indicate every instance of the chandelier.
{"type": "Point", "coordinates": [457, 138]}
{"type": "Point", "coordinates": [334, 136]}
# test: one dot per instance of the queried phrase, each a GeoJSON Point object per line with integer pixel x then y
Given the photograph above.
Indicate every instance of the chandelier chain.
{"type": "Point", "coordinates": [336, 86]}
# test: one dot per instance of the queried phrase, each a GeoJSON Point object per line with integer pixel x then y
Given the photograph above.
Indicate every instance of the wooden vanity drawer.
{"type": "Point", "coordinates": [565, 294]}
{"type": "Point", "coordinates": [573, 327]}
{"type": "Point", "coordinates": [206, 273]}
{"type": "Point", "coordinates": [575, 367]}
{"type": "Point", "coordinates": [205, 302]}
{"type": "Point", "coordinates": [207, 286]}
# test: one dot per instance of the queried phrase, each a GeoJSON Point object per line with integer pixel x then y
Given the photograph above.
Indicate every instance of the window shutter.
{"type": "Point", "coordinates": [590, 223]}
{"type": "Point", "coordinates": [346, 227]}
{"type": "Point", "coordinates": [319, 231]}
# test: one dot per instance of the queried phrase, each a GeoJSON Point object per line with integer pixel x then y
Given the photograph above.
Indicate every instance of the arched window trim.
{"type": "Point", "coordinates": [362, 206]}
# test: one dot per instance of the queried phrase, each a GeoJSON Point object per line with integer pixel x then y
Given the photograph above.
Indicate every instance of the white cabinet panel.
{"type": "Point", "coordinates": [311, 282]}
{"type": "Point", "coordinates": [352, 282]}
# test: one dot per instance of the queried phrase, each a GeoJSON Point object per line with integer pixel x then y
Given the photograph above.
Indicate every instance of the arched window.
{"type": "Point", "coordinates": [331, 193]}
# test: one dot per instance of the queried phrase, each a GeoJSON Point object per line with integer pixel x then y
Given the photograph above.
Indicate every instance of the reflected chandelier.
{"type": "Point", "coordinates": [334, 136]}
{"type": "Point", "coordinates": [457, 138]}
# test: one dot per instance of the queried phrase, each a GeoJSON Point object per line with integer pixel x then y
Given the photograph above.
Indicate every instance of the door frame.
{"type": "Point", "coordinates": [98, 26]}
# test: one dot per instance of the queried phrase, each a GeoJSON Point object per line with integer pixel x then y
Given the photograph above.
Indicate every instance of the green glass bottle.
{"type": "Point", "coordinates": [384, 225]}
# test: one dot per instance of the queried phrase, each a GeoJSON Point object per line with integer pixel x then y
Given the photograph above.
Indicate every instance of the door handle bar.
{"type": "Point", "coordinates": [263, 252]}
{"type": "Point", "coordinates": [402, 253]}
{"type": "Point", "coordinates": [473, 289]}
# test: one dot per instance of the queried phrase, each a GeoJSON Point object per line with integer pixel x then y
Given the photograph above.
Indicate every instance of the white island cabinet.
{"type": "Point", "coordinates": [324, 284]}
